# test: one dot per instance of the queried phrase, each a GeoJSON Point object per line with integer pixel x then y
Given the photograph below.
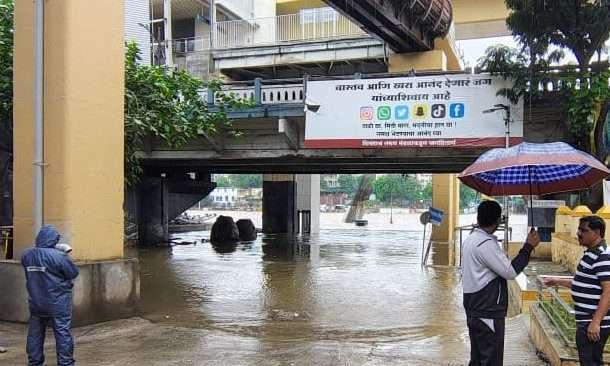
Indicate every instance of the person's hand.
{"type": "Point", "coordinates": [533, 238]}
{"type": "Point", "coordinates": [593, 331]}
{"type": "Point", "coordinates": [549, 281]}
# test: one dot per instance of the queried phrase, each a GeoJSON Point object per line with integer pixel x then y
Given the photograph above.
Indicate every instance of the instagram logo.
{"type": "Point", "coordinates": [366, 113]}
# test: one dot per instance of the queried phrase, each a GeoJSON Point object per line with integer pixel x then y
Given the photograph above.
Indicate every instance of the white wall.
{"type": "Point", "coordinates": [137, 11]}
{"type": "Point", "coordinates": [266, 30]}
{"type": "Point", "coordinates": [308, 197]}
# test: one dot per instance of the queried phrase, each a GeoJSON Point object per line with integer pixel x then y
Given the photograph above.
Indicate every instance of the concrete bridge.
{"type": "Point", "coordinates": [273, 144]}
{"type": "Point", "coordinates": [274, 131]}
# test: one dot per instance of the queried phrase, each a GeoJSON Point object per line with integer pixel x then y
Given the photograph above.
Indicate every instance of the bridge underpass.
{"type": "Point", "coordinates": [273, 143]}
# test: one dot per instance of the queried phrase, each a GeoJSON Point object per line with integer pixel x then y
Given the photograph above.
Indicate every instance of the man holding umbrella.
{"type": "Point", "coordinates": [531, 169]}
{"type": "Point", "coordinates": [485, 271]}
{"type": "Point", "coordinates": [590, 289]}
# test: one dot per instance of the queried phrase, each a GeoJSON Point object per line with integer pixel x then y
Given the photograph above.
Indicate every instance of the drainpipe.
{"type": "Point", "coordinates": [38, 115]}
{"type": "Point", "coordinates": [169, 39]}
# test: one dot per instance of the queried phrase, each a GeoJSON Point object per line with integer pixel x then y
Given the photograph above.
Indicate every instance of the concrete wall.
{"type": "Point", "coordinates": [103, 291]}
{"type": "Point", "coordinates": [266, 32]}
{"type": "Point", "coordinates": [566, 250]}
{"type": "Point", "coordinates": [83, 125]}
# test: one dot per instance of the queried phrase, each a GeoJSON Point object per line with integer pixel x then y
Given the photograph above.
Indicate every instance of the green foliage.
{"type": "Point", "coordinates": [582, 26]}
{"type": "Point", "coordinates": [6, 74]}
{"type": "Point", "coordinates": [520, 68]}
{"type": "Point", "coordinates": [246, 180]}
{"type": "Point", "coordinates": [468, 196]}
{"type": "Point", "coordinates": [348, 183]}
{"type": "Point", "coordinates": [396, 187]}
{"type": "Point", "coordinates": [167, 106]}
{"type": "Point", "coordinates": [223, 181]}
{"type": "Point", "coordinates": [243, 181]}
{"type": "Point", "coordinates": [426, 193]}
{"type": "Point", "coordinates": [584, 104]}
{"type": "Point", "coordinates": [323, 185]}
{"type": "Point", "coordinates": [579, 26]}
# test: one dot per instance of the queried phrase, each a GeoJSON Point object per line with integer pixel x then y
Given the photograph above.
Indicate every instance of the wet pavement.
{"type": "Point", "coordinates": [343, 297]}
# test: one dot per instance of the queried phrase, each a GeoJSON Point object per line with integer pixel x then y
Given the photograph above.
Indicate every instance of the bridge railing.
{"type": "Point", "coordinates": [272, 91]}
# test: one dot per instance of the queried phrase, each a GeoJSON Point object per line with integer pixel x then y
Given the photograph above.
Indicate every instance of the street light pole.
{"type": "Point", "coordinates": [506, 109]}
{"type": "Point", "coordinates": [391, 204]}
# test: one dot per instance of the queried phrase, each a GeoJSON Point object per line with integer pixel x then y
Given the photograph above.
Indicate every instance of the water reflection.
{"type": "Point", "coordinates": [338, 285]}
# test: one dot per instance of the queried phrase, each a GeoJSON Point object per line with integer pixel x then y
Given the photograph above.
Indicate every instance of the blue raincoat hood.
{"type": "Point", "coordinates": [47, 237]}
{"type": "Point", "coordinates": [49, 274]}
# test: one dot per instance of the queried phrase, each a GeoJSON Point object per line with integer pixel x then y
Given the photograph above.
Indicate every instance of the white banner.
{"type": "Point", "coordinates": [402, 112]}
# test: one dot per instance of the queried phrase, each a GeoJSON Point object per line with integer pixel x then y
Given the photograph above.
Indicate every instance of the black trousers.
{"type": "Point", "coordinates": [486, 346]}
{"type": "Point", "coordinates": [590, 353]}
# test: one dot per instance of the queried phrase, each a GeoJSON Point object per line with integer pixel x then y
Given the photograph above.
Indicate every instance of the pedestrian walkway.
{"type": "Point", "coordinates": [139, 342]}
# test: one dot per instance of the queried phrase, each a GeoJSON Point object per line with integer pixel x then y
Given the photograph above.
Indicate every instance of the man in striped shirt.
{"type": "Point", "coordinates": [590, 291]}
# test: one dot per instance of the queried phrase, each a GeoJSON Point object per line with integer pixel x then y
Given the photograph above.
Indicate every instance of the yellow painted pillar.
{"type": "Point", "coordinates": [604, 213]}
{"type": "Point", "coordinates": [83, 125]}
{"type": "Point", "coordinates": [563, 218]}
{"type": "Point", "coordinates": [445, 196]}
{"type": "Point", "coordinates": [434, 60]}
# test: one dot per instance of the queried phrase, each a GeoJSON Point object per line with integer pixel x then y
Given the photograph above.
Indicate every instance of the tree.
{"type": "Point", "coordinates": [580, 26]}
{"type": "Point", "coordinates": [396, 187]}
{"type": "Point", "coordinates": [468, 196]}
{"type": "Point", "coordinates": [348, 183]}
{"type": "Point", "coordinates": [167, 106]}
{"type": "Point", "coordinates": [323, 185]}
{"type": "Point", "coordinates": [223, 181]}
{"type": "Point", "coordinates": [246, 180]}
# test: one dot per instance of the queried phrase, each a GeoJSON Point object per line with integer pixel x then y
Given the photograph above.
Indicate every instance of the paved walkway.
{"type": "Point", "coordinates": [138, 342]}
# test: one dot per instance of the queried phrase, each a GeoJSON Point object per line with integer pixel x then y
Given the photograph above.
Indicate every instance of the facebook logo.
{"type": "Point", "coordinates": [456, 110]}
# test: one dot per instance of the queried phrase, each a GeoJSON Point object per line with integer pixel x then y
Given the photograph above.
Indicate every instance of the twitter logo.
{"type": "Point", "coordinates": [401, 112]}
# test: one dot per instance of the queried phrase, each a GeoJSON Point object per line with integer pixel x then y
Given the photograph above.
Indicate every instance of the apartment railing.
{"type": "Point", "coordinates": [308, 25]}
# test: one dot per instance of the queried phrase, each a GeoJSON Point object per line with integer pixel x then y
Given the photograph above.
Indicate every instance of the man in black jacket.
{"type": "Point", "coordinates": [485, 269]}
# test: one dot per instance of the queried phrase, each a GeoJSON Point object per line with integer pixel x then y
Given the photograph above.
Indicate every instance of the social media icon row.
{"type": "Point", "coordinates": [419, 111]}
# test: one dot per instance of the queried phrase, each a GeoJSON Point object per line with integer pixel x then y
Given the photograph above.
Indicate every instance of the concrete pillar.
{"type": "Point", "coordinates": [83, 125]}
{"type": "Point", "coordinates": [446, 197]}
{"type": "Point", "coordinates": [83, 155]}
{"type": "Point", "coordinates": [279, 203]}
{"type": "Point", "coordinates": [308, 198]}
{"type": "Point", "coordinates": [434, 60]}
{"type": "Point", "coordinates": [153, 205]}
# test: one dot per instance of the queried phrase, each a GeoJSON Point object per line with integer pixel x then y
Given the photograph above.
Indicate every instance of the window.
{"type": "Point", "coordinates": [318, 15]}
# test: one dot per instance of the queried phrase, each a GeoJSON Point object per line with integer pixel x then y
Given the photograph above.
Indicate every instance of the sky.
{"type": "Point", "coordinates": [475, 48]}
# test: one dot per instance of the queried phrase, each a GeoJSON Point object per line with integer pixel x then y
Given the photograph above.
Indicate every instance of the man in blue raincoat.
{"type": "Point", "coordinates": [49, 273]}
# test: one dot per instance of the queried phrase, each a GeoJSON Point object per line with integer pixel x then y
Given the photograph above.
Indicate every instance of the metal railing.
{"type": "Point", "coordinates": [195, 44]}
{"type": "Point", "coordinates": [309, 25]}
{"type": "Point", "coordinates": [469, 228]}
{"type": "Point", "coordinates": [558, 310]}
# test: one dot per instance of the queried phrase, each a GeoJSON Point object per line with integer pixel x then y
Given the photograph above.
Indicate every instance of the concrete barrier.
{"type": "Point", "coordinates": [563, 219]}
{"type": "Point", "coordinates": [103, 291]}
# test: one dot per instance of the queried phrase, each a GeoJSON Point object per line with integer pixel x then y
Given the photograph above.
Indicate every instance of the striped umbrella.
{"type": "Point", "coordinates": [533, 169]}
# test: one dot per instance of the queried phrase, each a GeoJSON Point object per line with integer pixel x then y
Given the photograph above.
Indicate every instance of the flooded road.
{"type": "Point", "coordinates": [348, 296]}
{"type": "Point", "coordinates": [360, 290]}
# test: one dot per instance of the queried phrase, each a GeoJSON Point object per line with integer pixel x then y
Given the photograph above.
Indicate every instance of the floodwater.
{"type": "Point", "coordinates": [347, 295]}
